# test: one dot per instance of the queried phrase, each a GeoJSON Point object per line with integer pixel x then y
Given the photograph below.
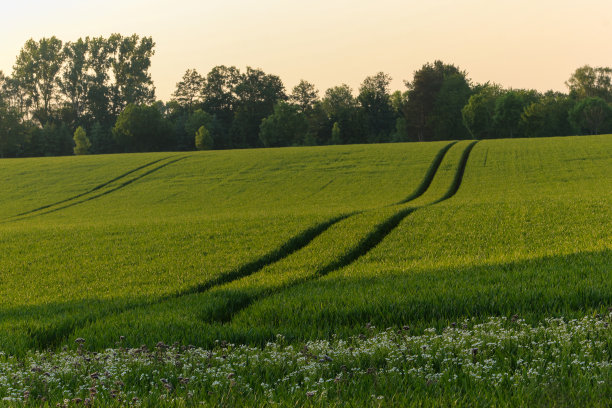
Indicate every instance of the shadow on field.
{"type": "Point", "coordinates": [43, 331]}
{"type": "Point", "coordinates": [236, 301]}
{"type": "Point", "coordinates": [48, 325]}
{"type": "Point", "coordinates": [555, 286]}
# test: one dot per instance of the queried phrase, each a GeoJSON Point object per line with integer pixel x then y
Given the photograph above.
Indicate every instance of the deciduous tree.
{"type": "Point", "coordinates": [592, 116]}
{"type": "Point", "coordinates": [589, 82]}
{"type": "Point", "coordinates": [188, 91]}
{"type": "Point", "coordinates": [285, 127]}
{"type": "Point", "coordinates": [375, 101]}
{"type": "Point", "coordinates": [304, 95]}
{"type": "Point", "coordinates": [81, 142]}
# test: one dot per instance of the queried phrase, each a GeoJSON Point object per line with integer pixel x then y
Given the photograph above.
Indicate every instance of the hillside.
{"type": "Point", "coordinates": [306, 243]}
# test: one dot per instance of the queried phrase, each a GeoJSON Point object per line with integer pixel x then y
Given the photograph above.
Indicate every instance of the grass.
{"type": "Point", "coordinates": [492, 249]}
{"type": "Point", "coordinates": [175, 230]}
{"type": "Point", "coordinates": [312, 244]}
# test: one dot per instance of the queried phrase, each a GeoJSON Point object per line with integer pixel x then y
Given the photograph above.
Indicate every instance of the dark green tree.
{"type": "Point", "coordinates": [196, 120]}
{"type": "Point", "coordinates": [424, 106]}
{"type": "Point", "coordinates": [142, 128]}
{"type": "Point", "coordinates": [509, 108]}
{"type": "Point", "coordinates": [12, 132]}
{"type": "Point", "coordinates": [36, 72]}
{"type": "Point", "coordinates": [285, 127]}
{"type": "Point", "coordinates": [56, 140]}
{"type": "Point", "coordinates": [548, 117]}
{"type": "Point", "coordinates": [446, 121]}
{"type": "Point", "coordinates": [101, 139]}
{"type": "Point", "coordinates": [375, 102]}
{"type": "Point", "coordinates": [591, 116]}
{"type": "Point", "coordinates": [188, 91]}
{"type": "Point", "coordinates": [257, 93]}
{"type": "Point", "coordinates": [305, 95]}
{"type": "Point", "coordinates": [401, 131]}
{"type": "Point", "coordinates": [478, 113]}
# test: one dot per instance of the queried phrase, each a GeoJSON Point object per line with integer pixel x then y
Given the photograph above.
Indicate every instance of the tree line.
{"type": "Point", "coordinates": [96, 95]}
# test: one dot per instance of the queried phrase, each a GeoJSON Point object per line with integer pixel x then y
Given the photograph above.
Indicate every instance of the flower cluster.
{"type": "Point", "coordinates": [497, 354]}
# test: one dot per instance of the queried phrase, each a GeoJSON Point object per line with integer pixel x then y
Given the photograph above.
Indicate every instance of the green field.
{"type": "Point", "coordinates": [309, 244]}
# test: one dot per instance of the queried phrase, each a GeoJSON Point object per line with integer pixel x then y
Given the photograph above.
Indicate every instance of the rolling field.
{"type": "Point", "coordinates": [302, 245]}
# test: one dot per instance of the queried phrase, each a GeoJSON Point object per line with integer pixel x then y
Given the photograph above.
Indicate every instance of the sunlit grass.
{"type": "Point", "coordinates": [312, 245]}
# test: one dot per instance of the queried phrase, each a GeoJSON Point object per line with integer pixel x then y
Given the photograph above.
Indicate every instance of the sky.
{"type": "Point", "coordinates": [534, 44]}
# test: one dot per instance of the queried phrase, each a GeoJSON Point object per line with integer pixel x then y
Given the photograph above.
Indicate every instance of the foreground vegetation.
{"type": "Point", "coordinates": [499, 362]}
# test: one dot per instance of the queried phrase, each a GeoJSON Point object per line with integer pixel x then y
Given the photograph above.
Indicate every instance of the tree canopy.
{"type": "Point", "coordinates": [101, 87]}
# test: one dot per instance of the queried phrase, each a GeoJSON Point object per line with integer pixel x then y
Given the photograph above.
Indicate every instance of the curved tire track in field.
{"type": "Point", "coordinates": [458, 175]}
{"type": "Point", "coordinates": [285, 250]}
{"type": "Point", "coordinates": [98, 187]}
{"type": "Point", "coordinates": [119, 187]}
{"type": "Point", "coordinates": [294, 244]}
{"type": "Point", "coordinates": [53, 338]}
{"type": "Point", "coordinates": [429, 176]}
{"type": "Point", "coordinates": [369, 242]}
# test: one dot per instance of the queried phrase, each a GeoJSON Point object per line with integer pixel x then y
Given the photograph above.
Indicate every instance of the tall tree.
{"type": "Point", "coordinates": [219, 98]}
{"type": "Point", "coordinates": [257, 93]}
{"type": "Point", "coordinates": [423, 97]}
{"type": "Point", "coordinates": [375, 101]}
{"type": "Point", "coordinates": [73, 81]}
{"type": "Point", "coordinates": [219, 91]}
{"type": "Point", "coordinates": [478, 113]}
{"type": "Point", "coordinates": [98, 79]}
{"type": "Point", "coordinates": [589, 82]}
{"type": "Point", "coordinates": [304, 95]}
{"type": "Point", "coordinates": [130, 63]}
{"type": "Point", "coordinates": [36, 71]}
{"type": "Point", "coordinates": [188, 91]}
{"type": "Point", "coordinates": [12, 132]}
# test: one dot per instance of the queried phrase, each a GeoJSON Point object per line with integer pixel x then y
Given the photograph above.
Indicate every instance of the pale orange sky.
{"type": "Point", "coordinates": [517, 43]}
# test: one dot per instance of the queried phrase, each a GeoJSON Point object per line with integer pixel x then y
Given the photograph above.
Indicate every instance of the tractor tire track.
{"type": "Point", "coordinates": [54, 338]}
{"type": "Point", "coordinates": [96, 188]}
{"type": "Point", "coordinates": [293, 245]}
{"type": "Point", "coordinates": [458, 175]}
{"type": "Point", "coordinates": [429, 176]}
{"type": "Point", "coordinates": [369, 242]}
{"type": "Point", "coordinates": [119, 187]}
